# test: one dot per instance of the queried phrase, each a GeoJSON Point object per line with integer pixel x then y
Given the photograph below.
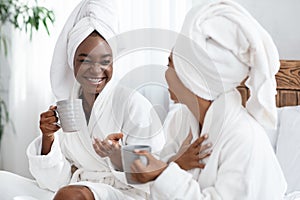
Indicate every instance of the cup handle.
{"type": "Point", "coordinates": [57, 116]}
{"type": "Point", "coordinates": [144, 160]}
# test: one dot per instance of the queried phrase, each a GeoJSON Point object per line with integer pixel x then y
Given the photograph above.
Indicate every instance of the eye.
{"type": "Point", "coordinates": [85, 61]}
{"type": "Point", "coordinates": [105, 62]}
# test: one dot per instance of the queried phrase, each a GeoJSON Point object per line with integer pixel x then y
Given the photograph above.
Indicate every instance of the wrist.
{"type": "Point", "coordinates": [48, 137]}
{"type": "Point", "coordinates": [160, 171]}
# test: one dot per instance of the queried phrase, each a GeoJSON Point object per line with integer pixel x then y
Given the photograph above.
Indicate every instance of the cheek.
{"type": "Point", "coordinates": [109, 71]}
{"type": "Point", "coordinates": [167, 77]}
{"type": "Point", "coordinates": [171, 79]}
{"type": "Point", "coordinates": [78, 71]}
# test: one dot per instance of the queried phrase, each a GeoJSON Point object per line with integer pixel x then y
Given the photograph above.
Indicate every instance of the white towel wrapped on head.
{"type": "Point", "coordinates": [89, 15]}
{"type": "Point", "coordinates": [219, 46]}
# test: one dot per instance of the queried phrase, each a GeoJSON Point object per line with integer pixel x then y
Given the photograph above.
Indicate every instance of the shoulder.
{"type": "Point", "coordinates": [178, 113]}
{"type": "Point", "coordinates": [180, 121]}
{"type": "Point", "coordinates": [245, 131]}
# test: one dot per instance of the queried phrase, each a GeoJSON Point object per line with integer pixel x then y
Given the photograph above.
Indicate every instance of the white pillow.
{"type": "Point", "coordinates": [273, 133]}
{"type": "Point", "coordinates": [288, 146]}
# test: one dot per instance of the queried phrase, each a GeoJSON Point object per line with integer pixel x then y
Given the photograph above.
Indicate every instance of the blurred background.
{"type": "Point", "coordinates": [24, 69]}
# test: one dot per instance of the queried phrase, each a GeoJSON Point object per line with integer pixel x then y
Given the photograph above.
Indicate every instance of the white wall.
{"type": "Point", "coordinates": [26, 88]}
{"type": "Point", "coordinates": [281, 19]}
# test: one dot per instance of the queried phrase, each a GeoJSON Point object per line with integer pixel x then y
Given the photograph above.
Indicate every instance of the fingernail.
{"type": "Point", "coordinates": [209, 144]}
{"type": "Point", "coordinates": [205, 136]}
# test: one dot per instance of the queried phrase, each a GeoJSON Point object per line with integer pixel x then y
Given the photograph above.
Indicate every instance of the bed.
{"type": "Point", "coordinates": [286, 138]}
{"type": "Point", "coordinates": [288, 84]}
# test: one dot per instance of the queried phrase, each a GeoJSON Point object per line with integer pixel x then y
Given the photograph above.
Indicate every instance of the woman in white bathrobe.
{"type": "Point", "coordinates": [220, 46]}
{"type": "Point", "coordinates": [67, 163]}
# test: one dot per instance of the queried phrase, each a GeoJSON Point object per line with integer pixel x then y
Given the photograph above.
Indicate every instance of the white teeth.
{"type": "Point", "coordinates": [96, 80]}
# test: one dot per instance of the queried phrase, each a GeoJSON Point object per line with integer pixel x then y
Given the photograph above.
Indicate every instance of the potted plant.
{"type": "Point", "coordinates": [26, 18]}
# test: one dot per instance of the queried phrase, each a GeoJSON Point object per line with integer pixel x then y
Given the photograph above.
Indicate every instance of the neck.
{"type": "Point", "coordinates": [88, 100]}
{"type": "Point", "coordinates": [197, 105]}
{"type": "Point", "coordinates": [203, 107]}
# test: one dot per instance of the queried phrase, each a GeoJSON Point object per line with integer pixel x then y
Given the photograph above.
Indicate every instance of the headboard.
{"type": "Point", "coordinates": [288, 84]}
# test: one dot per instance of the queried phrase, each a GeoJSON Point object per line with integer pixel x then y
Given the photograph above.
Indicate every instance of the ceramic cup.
{"type": "Point", "coordinates": [128, 157]}
{"type": "Point", "coordinates": [70, 114]}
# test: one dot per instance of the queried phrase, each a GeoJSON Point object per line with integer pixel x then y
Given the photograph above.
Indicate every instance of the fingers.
{"type": "Point", "coordinates": [52, 107]}
{"type": "Point", "coordinates": [47, 114]}
{"type": "Point", "coordinates": [145, 153]}
{"type": "Point", "coordinates": [98, 151]}
{"type": "Point", "coordinates": [199, 140]}
{"type": "Point", "coordinates": [137, 166]}
{"type": "Point", "coordinates": [105, 147]}
{"type": "Point", "coordinates": [201, 165]}
{"type": "Point", "coordinates": [135, 171]}
{"type": "Point", "coordinates": [97, 148]}
{"type": "Point", "coordinates": [49, 127]}
{"type": "Point", "coordinates": [48, 121]}
{"type": "Point", "coordinates": [115, 136]}
{"type": "Point", "coordinates": [205, 147]}
{"type": "Point", "coordinates": [204, 155]}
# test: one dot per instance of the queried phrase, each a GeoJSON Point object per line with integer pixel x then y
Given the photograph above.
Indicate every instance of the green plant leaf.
{"type": "Point", "coordinates": [26, 18]}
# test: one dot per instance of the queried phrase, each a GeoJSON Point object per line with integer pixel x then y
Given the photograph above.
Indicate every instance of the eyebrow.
{"type": "Point", "coordinates": [87, 55]}
{"type": "Point", "coordinates": [106, 55]}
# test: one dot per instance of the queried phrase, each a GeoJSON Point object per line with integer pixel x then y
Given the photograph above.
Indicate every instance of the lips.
{"type": "Point", "coordinates": [96, 80]}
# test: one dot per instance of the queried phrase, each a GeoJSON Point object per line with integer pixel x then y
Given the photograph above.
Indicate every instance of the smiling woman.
{"type": "Point", "coordinates": [84, 55]}
{"type": "Point", "coordinates": [92, 68]}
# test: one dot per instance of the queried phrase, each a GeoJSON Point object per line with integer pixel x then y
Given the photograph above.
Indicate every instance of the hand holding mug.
{"type": "Point", "coordinates": [48, 122]}
{"type": "Point", "coordinates": [48, 126]}
{"type": "Point", "coordinates": [144, 173]}
{"type": "Point", "coordinates": [130, 154]}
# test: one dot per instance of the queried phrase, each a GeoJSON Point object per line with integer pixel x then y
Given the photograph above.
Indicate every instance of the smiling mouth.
{"type": "Point", "coordinates": [96, 80]}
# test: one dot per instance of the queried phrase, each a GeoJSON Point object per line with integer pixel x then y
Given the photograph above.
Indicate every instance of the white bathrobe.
{"type": "Point", "coordinates": [241, 166]}
{"type": "Point", "coordinates": [129, 112]}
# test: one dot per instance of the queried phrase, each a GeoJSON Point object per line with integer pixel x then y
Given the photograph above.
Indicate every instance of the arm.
{"type": "Point", "coordinates": [48, 127]}
{"type": "Point", "coordinates": [232, 176]}
{"type": "Point", "coordinates": [187, 158]}
{"type": "Point", "coordinates": [140, 123]}
{"type": "Point", "coordinates": [51, 171]}
{"type": "Point", "coordinates": [47, 163]}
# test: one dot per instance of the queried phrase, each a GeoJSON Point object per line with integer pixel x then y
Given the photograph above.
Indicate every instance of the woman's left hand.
{"type": "Point", "coordinates": [110, 147]}
{"type": "Point", "coordinates": [145, 173]}
{"type": "Point", "coordinates": [106, 147]}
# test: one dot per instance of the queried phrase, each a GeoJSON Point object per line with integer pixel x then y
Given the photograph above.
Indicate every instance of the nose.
{"type": "Point", "coordinates": [97, 68]}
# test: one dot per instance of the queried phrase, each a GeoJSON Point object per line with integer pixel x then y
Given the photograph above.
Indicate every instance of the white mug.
{"type": "Point", "coordinates": [70, 114]}
{"type": "Point", "coordinates": [128, 157]}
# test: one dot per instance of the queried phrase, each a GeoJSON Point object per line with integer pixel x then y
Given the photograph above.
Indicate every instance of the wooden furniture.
{"type": "Point", "coordinates": [288, 84]}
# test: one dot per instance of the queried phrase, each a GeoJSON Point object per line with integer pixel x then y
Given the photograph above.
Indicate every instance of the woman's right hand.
{"type": "Point", "coordinates": [190, 155]}
{"type": "Point", "coordinates": [48, 127]}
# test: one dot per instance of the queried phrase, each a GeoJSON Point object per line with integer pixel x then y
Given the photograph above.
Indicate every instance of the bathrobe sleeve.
{"type": "Point", "coordinates": [233, 175]}
{"type": "Point", "coordinates": [141, 124]}
{"type": "Point", "coordinates": [51, 171]}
